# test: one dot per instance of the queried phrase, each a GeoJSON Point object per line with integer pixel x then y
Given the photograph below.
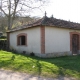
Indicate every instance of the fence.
{"type": "Point", "coordinates": [3, 44]}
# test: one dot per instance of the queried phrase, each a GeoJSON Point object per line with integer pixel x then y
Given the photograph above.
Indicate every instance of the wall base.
{"type": "Point", "coordinates": [49, 55]}
{"type": "Point", "coordinates": [79, 52]}
{"type": "Point", "coordinates": [55, 54]}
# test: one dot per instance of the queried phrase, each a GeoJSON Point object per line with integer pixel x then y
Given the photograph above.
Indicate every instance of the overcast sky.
{"type": "Point", "coordinates": [62, 9]}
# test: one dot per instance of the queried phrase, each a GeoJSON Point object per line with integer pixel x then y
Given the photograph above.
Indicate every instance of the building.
{"type": "Point", "coordinates": [47, 37]}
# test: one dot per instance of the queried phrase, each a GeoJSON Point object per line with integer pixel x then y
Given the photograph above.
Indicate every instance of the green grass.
{"type": "Point", "coordinates": [3, 39]}
{"type": "Point", "coordinates": [52, 67]}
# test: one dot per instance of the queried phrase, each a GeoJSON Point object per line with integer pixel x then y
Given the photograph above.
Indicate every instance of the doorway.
{"type": "Point", "coordinates": [75, 43]}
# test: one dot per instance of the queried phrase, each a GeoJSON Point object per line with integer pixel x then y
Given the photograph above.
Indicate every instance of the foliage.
{"type": "Point", "coordinates": [18, 22]}
{"type": "Point", "coordinates": [52, 67]}
{"type": "Point", "coordinates": [3, 24]}
{"type": "Point", "coordinates": [3, 37]}
{"type": "Point", "coordinates": [12, 8]}
{"type": "Point", "coordinates": [23, 21]}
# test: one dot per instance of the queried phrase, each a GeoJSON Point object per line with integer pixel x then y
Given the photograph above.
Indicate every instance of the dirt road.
{"type": "Point", "coordinates": [9, 75]}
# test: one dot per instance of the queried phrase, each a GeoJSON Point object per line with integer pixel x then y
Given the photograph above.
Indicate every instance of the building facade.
{"type": "Point", "coordinates": [47, 37]}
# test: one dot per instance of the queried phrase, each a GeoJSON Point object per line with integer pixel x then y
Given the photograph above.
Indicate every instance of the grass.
{"type": "Point", "coordinates": [3, 38]}
{"type": "Point", "coordinates": [52, 67]}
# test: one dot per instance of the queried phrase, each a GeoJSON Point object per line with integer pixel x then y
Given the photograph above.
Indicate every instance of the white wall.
{"type": "Point", "coordinates": [33, 40]}
{"type": "Point", "coordinates": [57, 39]}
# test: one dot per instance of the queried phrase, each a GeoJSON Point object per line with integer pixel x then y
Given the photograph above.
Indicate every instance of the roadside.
{"type": "Point", "coordinates": [10, 75]}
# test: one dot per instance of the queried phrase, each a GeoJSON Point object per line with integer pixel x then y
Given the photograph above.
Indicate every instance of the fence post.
{"type": "Point", "coordinates": [8, 37]}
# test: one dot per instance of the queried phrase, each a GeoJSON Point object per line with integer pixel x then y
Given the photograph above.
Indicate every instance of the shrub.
{"type": "Point", "coordinates": [32, 54]}
{"type": "Point", "coordinates": [3, 37]}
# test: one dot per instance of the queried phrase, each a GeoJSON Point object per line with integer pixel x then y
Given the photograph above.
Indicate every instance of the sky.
{"type": "Point", "coordinates": [61, 9]}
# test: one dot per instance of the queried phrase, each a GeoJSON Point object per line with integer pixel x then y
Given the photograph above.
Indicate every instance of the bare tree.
{"type": "Point", "coordinates": [11, 8]}
{"type": "Point", "coordinates": [3, 24]}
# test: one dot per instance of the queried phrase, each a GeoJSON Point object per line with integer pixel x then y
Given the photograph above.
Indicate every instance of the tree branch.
{"type": "Point", "coordinates": [16, 3]}
{"type": "Point", "coordinates": [3, 11]}
{"type": "Point", "coordinates": [28, 6]}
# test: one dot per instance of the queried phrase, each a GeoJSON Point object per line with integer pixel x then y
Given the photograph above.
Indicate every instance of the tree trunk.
{"type": "Point", "coordinates": [9, 23]}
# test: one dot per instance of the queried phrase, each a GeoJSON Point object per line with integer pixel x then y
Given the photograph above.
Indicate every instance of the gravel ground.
{"type": "Point", "coordinates": [9, 75]}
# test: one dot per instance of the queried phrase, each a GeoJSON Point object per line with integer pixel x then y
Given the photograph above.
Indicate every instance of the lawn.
{"type": "Point", "coordinates": [52, 67]}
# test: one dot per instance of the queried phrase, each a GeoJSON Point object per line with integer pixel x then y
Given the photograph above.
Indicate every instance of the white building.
{"type": "Point", "coordinates": [46, 37]}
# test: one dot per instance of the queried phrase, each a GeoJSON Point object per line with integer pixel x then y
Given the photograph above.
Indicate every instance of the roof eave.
{"type": "Point", "coordinates": [22, 28]}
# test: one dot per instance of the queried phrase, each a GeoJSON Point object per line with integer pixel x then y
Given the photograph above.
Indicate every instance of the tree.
{"type": "Point", "coordinates": [3, 24]}
{"type": "Point", "coordinates": [11, 8]}
{"type": "Point", "coordinates": [19, 20]}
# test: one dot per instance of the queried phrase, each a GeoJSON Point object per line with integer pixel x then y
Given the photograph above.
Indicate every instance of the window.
{"type": "Point", "coordinates": [22, 39]}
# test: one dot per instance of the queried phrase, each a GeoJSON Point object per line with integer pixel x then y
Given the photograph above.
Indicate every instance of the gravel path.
{"type": "Point", "coordinates": [9, 75]}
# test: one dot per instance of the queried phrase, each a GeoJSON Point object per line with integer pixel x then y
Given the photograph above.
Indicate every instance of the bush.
{"type": "Point", "coordinates": [3, 37]}
{"type": "Point", "coordinates": [13, 57]}
{"type": "Point", "coordinates": [32, 54]}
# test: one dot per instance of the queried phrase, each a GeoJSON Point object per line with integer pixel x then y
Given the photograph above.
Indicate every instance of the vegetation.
{"type": "Point", "coordinates": [18, 22]}
{"type": "Point", "coordinates": [52, 67]}
{"type": "Point", "coordinates": [12, 8]}
{"type": "Point", "coordinates": [2, 38]}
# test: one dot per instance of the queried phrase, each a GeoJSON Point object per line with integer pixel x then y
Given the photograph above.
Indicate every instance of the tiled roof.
{"type": "Point", "coordinates": [45, 21]}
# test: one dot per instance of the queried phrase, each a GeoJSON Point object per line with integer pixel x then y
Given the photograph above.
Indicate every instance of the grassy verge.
{"type": "Point", "coordinates": [53, 67]}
